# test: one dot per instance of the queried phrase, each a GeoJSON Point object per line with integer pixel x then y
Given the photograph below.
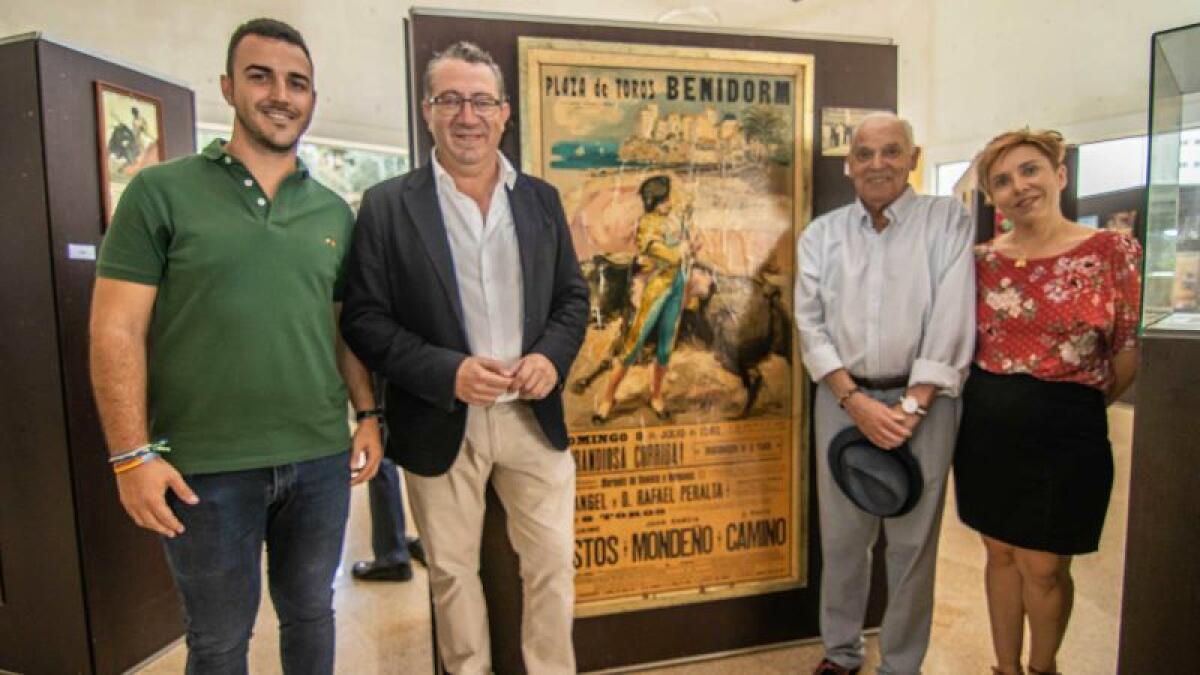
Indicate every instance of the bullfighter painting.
{"type": "Point", "coordinates": [129, 127]}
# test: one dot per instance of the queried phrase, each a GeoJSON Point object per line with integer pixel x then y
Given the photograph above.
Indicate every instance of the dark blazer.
{"type": "Point", "coordinates": [402, 314]}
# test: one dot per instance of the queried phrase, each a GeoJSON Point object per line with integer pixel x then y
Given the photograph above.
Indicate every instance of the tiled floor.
{"type": "Point", "coordinates": [384, 628]}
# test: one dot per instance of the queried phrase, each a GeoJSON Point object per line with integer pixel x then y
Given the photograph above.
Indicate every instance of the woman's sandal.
{"type": "Point", "coordinates": [997, 671]}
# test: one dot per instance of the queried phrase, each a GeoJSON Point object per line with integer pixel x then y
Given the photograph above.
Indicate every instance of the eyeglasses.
{"type": "Point", "coordinates": [452, 102]}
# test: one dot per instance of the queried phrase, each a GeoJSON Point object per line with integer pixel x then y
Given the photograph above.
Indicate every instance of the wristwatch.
{"type": "Point", "coordinates": [377, 413]}
{"type": "Point", "coordinates": [910, 406]}
{"type": "Point", "coordinates": [846, 396]}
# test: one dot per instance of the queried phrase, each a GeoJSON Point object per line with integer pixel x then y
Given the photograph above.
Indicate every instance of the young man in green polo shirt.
{"type": "Point", "coordinates": [214, 330]}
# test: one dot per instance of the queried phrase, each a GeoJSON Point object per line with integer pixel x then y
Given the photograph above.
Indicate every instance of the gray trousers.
{"type": "Point", "coordinates": [848, 533]}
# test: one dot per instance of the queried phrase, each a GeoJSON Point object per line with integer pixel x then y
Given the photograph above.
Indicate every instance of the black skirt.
{"type": "Point", "coordinates": [1033, 466]}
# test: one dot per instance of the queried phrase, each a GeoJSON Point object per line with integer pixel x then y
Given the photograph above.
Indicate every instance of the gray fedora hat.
{"type": "Point", "coordinates": [885, 483]}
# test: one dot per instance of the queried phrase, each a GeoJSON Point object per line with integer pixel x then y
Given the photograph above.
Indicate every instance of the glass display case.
{"type": "Point", "coordinates": [1171, 300]}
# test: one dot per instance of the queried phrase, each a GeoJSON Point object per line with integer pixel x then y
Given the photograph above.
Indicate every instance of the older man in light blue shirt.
{"type": "Point", "coordinates": [885, 296]}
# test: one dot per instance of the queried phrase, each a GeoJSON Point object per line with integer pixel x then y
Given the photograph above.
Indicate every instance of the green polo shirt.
{"type": "Point", "coordinates": [242, 371]}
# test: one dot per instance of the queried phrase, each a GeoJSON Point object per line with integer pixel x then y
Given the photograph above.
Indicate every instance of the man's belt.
{"type": "Point", "coordinates": [881, 383]}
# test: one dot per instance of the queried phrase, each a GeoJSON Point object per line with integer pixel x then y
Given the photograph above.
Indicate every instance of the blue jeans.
{"type": "Point", "coordinates": [299, 510]}
{"type": "Point", "coordinates": [388, 538]}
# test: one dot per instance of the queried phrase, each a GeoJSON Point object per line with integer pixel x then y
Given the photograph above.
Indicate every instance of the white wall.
{"type": "Point", "coordinates": [186, 39]}
{"type": "Point", "coordinates": [906, 22]}
{"type": "Point", "coordinates": [357, 46]}
{"type": "Point", "coordinates": [1079, 66]}
{"type": "Point", "coordinates": [968, 69]}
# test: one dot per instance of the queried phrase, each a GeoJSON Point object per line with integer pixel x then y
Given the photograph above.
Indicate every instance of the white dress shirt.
{"type": "Point", "coordinates": [487, 265]}
{"type": "Point", "coordinates": [891, 303]}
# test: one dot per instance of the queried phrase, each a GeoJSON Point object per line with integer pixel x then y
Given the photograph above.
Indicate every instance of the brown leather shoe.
{"type": "Point", "coordinates": [827, 667]}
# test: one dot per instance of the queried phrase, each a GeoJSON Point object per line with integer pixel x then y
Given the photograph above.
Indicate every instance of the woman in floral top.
{"type": "Point", "coordinates": [1056, 324]}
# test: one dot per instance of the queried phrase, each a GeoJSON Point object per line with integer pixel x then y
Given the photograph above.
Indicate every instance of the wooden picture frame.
{"type": "Point", "coordinates": [720, 512]}
{"type": "Point", "coordinates": [128, 140]}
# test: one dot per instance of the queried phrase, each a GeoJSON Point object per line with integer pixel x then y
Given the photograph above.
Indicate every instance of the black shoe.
{"type": "Point", "coordinates": [827, 667]}
{"type": "Point", "coordinates": [375, 570]}
{"type": "Point", "coordinates": [416, 550]}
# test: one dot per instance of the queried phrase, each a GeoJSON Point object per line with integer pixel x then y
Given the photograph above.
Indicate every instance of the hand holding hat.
{"type": "Point", "coordinates": [882, 425]}
{"type": "Point", "coordinates": [881, 482]}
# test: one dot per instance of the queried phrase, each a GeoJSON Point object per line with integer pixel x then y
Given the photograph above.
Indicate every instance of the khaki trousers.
{"type": "Point", "coordinates": [536, 483]}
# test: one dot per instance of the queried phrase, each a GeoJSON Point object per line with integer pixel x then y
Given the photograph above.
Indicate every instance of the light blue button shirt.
{"type": "Point", "coordinates": [487, 265]}
{"type": "Point", "coordinates": [890, 303]}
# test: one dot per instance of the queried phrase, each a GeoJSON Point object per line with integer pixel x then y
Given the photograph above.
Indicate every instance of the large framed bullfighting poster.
{"type": "Point", "coordinates": [685, 176]}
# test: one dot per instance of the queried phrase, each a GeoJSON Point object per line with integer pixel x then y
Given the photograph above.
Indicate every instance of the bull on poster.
{"type": "Point", "coordinates": [685, 177]}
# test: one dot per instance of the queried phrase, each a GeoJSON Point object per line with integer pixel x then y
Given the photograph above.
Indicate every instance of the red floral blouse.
{"type": "Point", "coordinates": [1061, 318]}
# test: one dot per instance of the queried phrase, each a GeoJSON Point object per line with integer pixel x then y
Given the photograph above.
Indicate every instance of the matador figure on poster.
{"type": "Point", "coordinates": [664, 253]}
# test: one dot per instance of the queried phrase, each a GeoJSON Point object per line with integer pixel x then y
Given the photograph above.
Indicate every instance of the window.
{"type": "Point", "coordinates": [1189, 157]}
{"type": "Point", "coordinates": [948, 174]}
{"type": "Point", "coordinates": [1114, 165]}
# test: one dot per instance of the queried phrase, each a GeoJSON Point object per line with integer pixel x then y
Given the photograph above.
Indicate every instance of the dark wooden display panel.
{"type": "Point", "coordinates": [1160, 610]}
{"type": "Point", "coordinates": [86, 590]}
{"type": "Point", "coordinates": [847, 74]}
{"type": "Point", "coordinates": [42, 622]}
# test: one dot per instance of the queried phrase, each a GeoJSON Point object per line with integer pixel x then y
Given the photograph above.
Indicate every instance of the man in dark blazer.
{"type": "Point", "coordinates": [463, 290]}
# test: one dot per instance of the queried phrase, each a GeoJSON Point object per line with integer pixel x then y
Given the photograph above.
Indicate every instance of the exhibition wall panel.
{"type": "Point", "coordinates": [123, 605]}
{"type": "Point", "coordinates": [41, 592]}
{"type": "Point", "coordinates": [846, 76]}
